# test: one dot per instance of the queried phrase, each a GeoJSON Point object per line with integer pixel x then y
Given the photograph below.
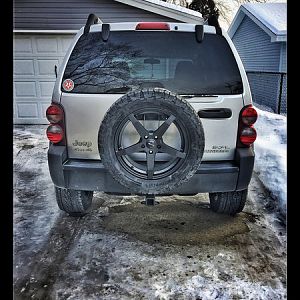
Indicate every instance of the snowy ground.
{"type": "Point", "coordinates": [124, 250]}
{"type": "Point", "coordinates": [270, 156]}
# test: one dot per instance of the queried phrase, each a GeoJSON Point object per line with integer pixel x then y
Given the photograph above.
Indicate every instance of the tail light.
{"type": "Point", "coordinates": [246, 132]}
{"type": "Point", "coordinates": [249, 115]}
{"type": "Point", "coordinates": [54, 113]}
{"type": "Point", "coordinates": [248, 135]}
{"type": "Point", "coordinates": [55, 131]}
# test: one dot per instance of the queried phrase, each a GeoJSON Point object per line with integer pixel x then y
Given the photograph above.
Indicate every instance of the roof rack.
{"type": "Point", "coordinates": [91, 20]}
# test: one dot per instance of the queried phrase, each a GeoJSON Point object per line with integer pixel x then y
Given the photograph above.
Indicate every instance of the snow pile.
{"type": "Point", "coordinates": [270, 155]}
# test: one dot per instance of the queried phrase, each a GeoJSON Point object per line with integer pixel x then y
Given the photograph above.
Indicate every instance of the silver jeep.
{"type": "Point", "coordinates": [151, 108]}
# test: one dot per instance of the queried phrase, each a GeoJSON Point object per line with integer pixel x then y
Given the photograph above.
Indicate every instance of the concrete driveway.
{"type": "Point", "coordinates": [122, 249]}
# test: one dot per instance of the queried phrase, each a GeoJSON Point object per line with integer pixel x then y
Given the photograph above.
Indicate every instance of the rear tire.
{"type": "Point", "coordinates": [229, 203]}
{"type": "Point", "coordinates": [75, 203]}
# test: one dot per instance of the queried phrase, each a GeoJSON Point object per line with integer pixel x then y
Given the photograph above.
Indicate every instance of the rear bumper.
{"type": "Point", "coordinates": [91, 175]}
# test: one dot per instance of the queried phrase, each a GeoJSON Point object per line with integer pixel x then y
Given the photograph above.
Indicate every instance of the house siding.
{"type": "Point", "coordinates": [260, 56]}
{"type": "Point", "coordinates": [265, 88]}
{"type": "Point", "coordinates": [255, 48]}
{"type": "Point", "coordinates": [283, 58]}
{"type": "Point", "coordinates": [72, 14]}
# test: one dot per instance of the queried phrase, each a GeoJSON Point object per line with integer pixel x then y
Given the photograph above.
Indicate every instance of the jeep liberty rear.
{"type": "Point", "coordinates": [151, 109]}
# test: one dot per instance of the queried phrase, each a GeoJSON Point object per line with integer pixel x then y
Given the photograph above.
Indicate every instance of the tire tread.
{"type": "Point", "coordinates": [74, 202]}
{"type": "Point", "coordinates": [229, 203]}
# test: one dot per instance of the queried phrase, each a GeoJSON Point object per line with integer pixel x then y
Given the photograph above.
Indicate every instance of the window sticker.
{"type": "Point", "coordinates": [68, 85]}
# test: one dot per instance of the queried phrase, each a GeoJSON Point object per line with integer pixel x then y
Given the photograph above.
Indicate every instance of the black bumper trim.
{"type": "Point", "coordinates": [205, 167]}
{"type": "Point", "coordinates": [91, 175]}
{"type": "Point", "coordinates": [245, 159]}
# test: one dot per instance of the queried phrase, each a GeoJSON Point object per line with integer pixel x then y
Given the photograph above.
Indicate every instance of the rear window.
{"type": "Point", "coordinates": [138, 59]}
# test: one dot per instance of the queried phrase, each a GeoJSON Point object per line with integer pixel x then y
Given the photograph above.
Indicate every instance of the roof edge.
{"type": "Point", "coordinates": [46, 31]}
{"type": "Point", "coordinates": [241, 13]}
{"type": "Point", "coordinates": [237, 20]}
{"type": "Point", "coordinates": [166, 9]}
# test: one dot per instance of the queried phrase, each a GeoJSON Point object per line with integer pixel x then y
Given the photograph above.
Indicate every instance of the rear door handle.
{"type": "Point", "coordinates": [215, 113]}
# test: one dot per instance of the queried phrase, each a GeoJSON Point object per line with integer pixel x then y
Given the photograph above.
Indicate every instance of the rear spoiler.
{"type": "Point", "coordinates": [93, 19]}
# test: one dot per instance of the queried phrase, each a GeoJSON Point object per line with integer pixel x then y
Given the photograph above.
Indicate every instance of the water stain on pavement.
{"type": "Point", "coordinates": [177, 223]}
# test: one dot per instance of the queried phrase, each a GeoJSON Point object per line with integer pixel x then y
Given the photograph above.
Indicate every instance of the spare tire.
{"type": "Point", "coordinates": [151, 141]}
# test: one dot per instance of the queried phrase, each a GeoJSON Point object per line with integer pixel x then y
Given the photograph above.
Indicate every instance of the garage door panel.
{"type": "Point", "coordinates": [24, 67]}
{"type": "Point", "coordinates": [35, 56]}
{"type": "Point", "coordinates": [23, 45]}
{"type": "Point", "coordinates": [46, 67]}
{"type": "Point", "coordinates": [46, 88]}
{"type": "Point", "coordinates": [66, 43]}
{"type": "Point", "coordinates": [27, 110]}
{"type": "Point", "coordinates": [46, 45]}
{"type": "Point", "coordinates": [25, 89]}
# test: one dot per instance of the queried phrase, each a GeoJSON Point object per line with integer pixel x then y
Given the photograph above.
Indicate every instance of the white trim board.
{"type": "Point", "coordinates": [45, 31]}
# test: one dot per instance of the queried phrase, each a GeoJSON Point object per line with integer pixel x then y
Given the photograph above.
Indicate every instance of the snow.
{"type": "Point", "coordinates": [59, 257]}
{"type": "Point", "coordinates": [164, 272]}
{"type": "Point", "coordinates": [270, 155]}
{"type": "Point", "coordinates": [272, 15]}
{"type": "Point", "coordinates": [27, 200]}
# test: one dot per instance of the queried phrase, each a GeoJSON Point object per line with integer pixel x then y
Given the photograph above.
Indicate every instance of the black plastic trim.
{"type": "Point", "coordinates": [57, 155]}
{"type": "Point", "coordinates": [245, 159]}
{"type": "Point", "coordinates": [91, 175]}
{"type": "Point", "coordinates": [205, 167]}
{"type": "Point", "coordinates": [199, 32]}
{"type": "Point", "coordinates": [215, 113]}
{"type": "Point", "coordinates": [105, 32]}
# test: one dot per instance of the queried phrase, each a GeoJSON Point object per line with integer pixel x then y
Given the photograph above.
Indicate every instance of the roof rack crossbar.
{"type": "Point", "coordinates": [91, 20]}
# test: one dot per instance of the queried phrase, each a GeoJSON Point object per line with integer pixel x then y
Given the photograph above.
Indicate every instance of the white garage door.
{"type": "Point", "coordinates": [34, 59]}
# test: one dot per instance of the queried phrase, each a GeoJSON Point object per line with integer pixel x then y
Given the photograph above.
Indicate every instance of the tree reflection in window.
{"type": "Point", "coordinates": [136, 59]}
{"type": "Point", "coordinates": [102, 67]}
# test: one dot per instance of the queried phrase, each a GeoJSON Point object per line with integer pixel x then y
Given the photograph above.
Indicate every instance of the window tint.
{"type": "Point", "coordinates": [138, 59]}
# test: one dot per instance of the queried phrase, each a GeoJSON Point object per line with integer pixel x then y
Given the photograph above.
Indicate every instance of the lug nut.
{"type": "Point", "coordinates": [143, 146]}
{"type": "Point", "coordinates": [150, 151]}
{"type": "Point", "coordinates": [146, 136]}
{"type": "Point", "coordinates": [155, 137]}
